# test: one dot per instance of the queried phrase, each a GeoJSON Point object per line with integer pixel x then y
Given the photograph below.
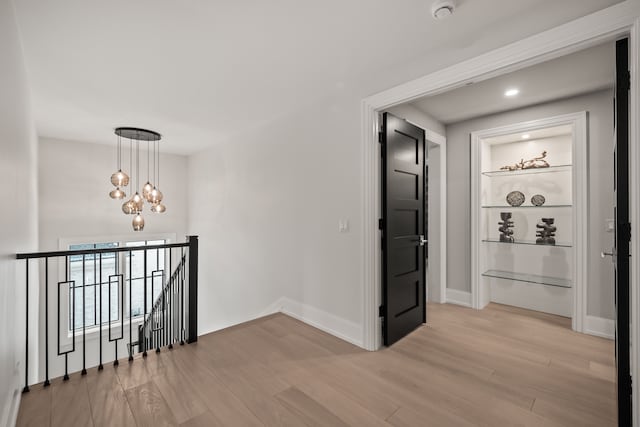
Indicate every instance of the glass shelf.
{"type": "Point", "coordinates": [529, 242]}
{"type": "Point", "coordinates": [528, 278]}
{"type": "Point", "coordinates": [524, 206]}
{"type": "Point", "coordinates": [532, 171]}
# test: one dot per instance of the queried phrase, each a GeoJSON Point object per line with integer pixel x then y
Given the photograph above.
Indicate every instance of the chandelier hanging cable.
{"type": "Point", "coordinates": [150, 192]}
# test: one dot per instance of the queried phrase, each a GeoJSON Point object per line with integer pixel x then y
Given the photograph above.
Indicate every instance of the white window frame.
{"type": "Point", "coordinates": [92, 332]}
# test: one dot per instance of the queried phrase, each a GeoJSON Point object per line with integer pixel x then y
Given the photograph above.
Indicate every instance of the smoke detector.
{"type": "Point", "coordinates": [442, 9]}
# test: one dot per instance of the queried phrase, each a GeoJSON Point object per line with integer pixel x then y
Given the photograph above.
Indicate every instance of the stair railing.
{"type": "Point", "coordinates": [164, 325]}
{"type": "Point", "coordinates": [172, 317]}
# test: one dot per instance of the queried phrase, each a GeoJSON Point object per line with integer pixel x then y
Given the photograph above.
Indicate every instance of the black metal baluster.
{"type": "Point", "coordinates": [170, 300]}
{"type": "Point", "coordinates": [131, 292]}
{"type": "Point", "coordinates": [95, 300]}
{"type": "Point", "coordinates": [165, 315]}
{"type": "Point", "coordinates": [130, 312]}
{"type": "Point", "coordinates": [193, 289]}
{"type": "Point", "coordinates": [121, 293]}
{"type": "Point", "coordinates": [182, 300]}
{"type": "Point", "coordinates": [26, 349]}
{"type": "Point", "coordinates": [100, 367]}
{"type": "Point", "coordinates": [120, 288]}
{"type": "Point", "coordinates": [73, 327]}
{"type": "Point", "coordinates": [84, 304]}
{"type": "Point", "coordinates": [46, 322]}
{"type": "Point", "coordinates": [144, 353]}
{"type": "Point", "coordinates": [159, 333]}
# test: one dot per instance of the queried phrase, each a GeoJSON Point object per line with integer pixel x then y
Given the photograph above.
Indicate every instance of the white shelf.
{"type": "Point", "coordinates": [524, 206]}
{"type": "Point", "coordinates": [532, 171]}
{"type": "Point", "coordinates": [529, 278]}
{"type": "Point", "coordinates": [529, 242]}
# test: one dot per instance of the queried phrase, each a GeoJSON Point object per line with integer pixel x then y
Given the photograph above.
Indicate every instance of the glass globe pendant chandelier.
{"type": "Point", "coordinates": [150, 192]}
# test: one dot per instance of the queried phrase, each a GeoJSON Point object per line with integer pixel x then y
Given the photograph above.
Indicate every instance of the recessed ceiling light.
{"type": "Point", "coordinates": [526, 136]}
{"type": "Point", "coordinates": [511, 92]}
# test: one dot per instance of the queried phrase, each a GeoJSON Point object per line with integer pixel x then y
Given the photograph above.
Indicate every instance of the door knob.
{"type": "Point", "coordinates": [423, 241]}
{"type": "Point", "coordinates": [604, 254]}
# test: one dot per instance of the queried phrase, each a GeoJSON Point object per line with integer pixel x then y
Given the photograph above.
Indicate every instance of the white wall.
{"type": "Point", "coordinates": [18, 223]}
{"type": "Point", "coordinates": [266, 205]}
{"type": "Point", "coordinates": [600, 140]}
{"type": "Point", "coordinates": [74, 203]}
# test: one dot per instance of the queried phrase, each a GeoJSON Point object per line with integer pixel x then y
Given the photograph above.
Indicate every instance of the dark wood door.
{"type": "Point", "coordinates": [622, 232]}
{"type": "Point", "coordinates": [403, 241]}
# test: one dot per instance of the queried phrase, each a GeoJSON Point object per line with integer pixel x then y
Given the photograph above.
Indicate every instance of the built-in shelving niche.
{"type": "Point", "coordinates": [523, 271]}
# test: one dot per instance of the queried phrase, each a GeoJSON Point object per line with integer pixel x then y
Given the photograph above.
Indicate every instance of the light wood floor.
{"type": "Point", "coordinates": [497, 367]}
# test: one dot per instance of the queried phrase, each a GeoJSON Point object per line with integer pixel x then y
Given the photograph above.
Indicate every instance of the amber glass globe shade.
{"type": "Point", "coordinates": [117, 194]}
{"type": "Point", "coordinates": [155, 196]}
{"type": "Point", "coordinates": [158, 208]}
{"type": "Point", "coordinates": [129, 207]}
{"type": "Point", "coordinates": [138, 202]}
{"type": "Point", "coordinates": [138, 223]}
{"type": "Point", "coordinates": [146, 191]}
{"type": "Point", "coordinates": [120, 179]}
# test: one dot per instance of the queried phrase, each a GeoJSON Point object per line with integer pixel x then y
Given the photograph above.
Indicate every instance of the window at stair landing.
{"type": "Point", "coordinates": [133, 272]}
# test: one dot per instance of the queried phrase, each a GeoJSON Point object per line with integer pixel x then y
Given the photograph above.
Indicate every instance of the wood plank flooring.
{"type": "Point", "coordinates": [501, 366]}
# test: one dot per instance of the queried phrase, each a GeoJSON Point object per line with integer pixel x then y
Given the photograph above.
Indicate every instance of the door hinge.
{"type": "Point", "coordinates": [381, 224]}
{"type": "Point", "coordinates": [380, 137]}
{"type": "Point", "coordinates": [624, 80]}
{"type": "Point", "coordinates": [627, 80]}
{"type": "Point", "coordinates": [381, 311]}
{"type": "Point", "coordinates": [630, 384]}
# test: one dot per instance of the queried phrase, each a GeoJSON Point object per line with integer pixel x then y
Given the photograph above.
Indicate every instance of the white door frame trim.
{"type": "Point", "coordinates": [608, 24]}
{"type": "Point", "coordinates": [441, 141]}
{"type": "Point", "coordinates": [580, 196]}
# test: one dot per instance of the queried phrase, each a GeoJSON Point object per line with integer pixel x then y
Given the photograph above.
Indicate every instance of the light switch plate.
{"type": "Point", "coordinates": [343, 225]}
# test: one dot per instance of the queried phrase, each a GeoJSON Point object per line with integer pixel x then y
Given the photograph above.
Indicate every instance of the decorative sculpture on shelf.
{"type": "Point", "coordinates": [546, 235]}
{"type": "Point", "coordinates": [506, 225]}
{"type": "Point", "coordinates": [536, 162]}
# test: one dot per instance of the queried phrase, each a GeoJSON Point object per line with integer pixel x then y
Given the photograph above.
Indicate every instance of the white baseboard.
{"type": "Point", "coordinates": [275, 307]}
{"type": "Point", "coordinates": [454, 296]}
{"type": "Point", "coordinates": [600, 327]}
{"type": "Point", "coordinates": [327, 322]}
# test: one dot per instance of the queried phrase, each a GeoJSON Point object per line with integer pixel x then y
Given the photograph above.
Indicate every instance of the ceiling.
{"type": "Point", "coordinates": [582, 72]}
{"type": "Point", "coordinates": [199, 71]}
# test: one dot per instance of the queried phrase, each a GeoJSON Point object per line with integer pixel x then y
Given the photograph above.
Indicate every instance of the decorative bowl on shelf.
{"type": "Point", "coordinates": [538, 200]}
{"type": "Point", "coordinates": [515, 198]}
